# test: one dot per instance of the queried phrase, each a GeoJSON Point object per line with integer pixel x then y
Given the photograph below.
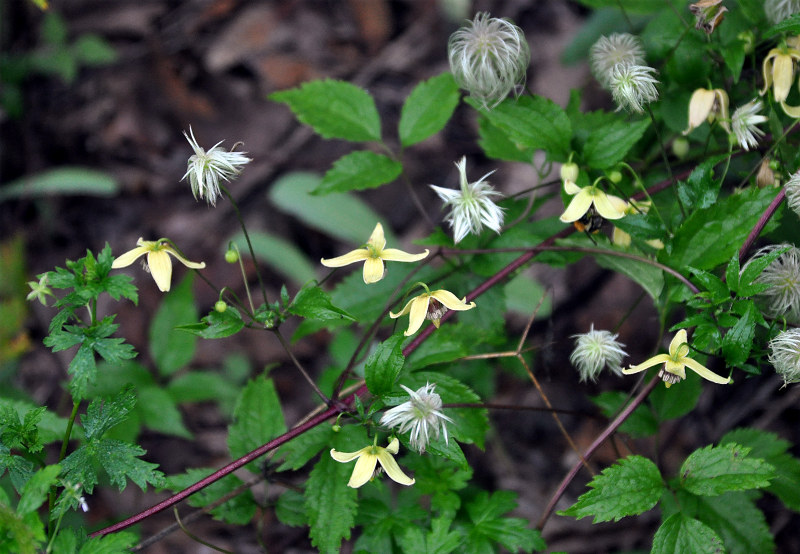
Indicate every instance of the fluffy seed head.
{"type": "Point", "coordinates": [488, 58]}
{"type": "Point", "coordinates": [744, 122]}
{"type": "Point", "coordinates": [596, 349]}
{"type": "Point", "coordinates": [609, 51]}
{"type": "Point", "coordinates": [784, 355]}
{"type": "Point", "coordinates": [421, 414]}
{"type": "Point", "coordinates": [792, 187]}
{"type": "Point", "coordinates": [206, 169]}
{"type": "Point", "coordinates": [778, 10]}
{"type": "Point", "coordinates": [633, 86]}
{"type": "Point", "coordinates": [782, 298]}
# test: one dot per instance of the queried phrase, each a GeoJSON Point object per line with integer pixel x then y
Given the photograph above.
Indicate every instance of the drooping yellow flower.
{"type": "Point", "coordinates": [778, 71]}
{"type": "Point", "coordinates": [708, 105]}
{"type": "Point", "coordinates": [676, 362]}
{"type": "Point", "coordinates": [431, 306]}
{"type": "Point", "coordinates": [607, 205]}
{"type": "Point", "coordinates": [373, 254]}
{"type": "Point", "coordinates": [368, 458]}
{"type": "Point", "coordinates": [158, 262]}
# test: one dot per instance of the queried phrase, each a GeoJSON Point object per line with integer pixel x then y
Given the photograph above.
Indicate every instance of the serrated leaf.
{"type": "Point", "coordinates": [440, 539]}
{"type": "Point", "coordinates": [215, 325]}
{"type": "Point", "coordinates": [738, 341]}
{"type": "Point", "coordinates": [753, 269]}
{"type": "Point", "coordinates": [257, 417]}
{"type": "Point", "coordinates": [299, 451]}
{"type": "Point", "coordinates": [630, 487]}
{"type": "Point", "coordinates": [35, 491]}
{"type": "Point", "coordinates": [713, 284]}
{"type": "Point", "coordinates": [172, 349]}
{"type": "Point", "coordinates": [790, 25]}
{"type": "Point", "coordinates": [104, 413]}
{"type": "Point", "coordinates": [311, 302]}
{"type": "Point", "coordinates": [119, 460]}
{"type": "Point", "coordinates": [335, 109]}
{"type": "Point", "coordinates": [114, 543]}
{"type": "Point", "coordinates": [732, 273]}
{"type": "Point", "coordinates": [291, 509]}
{"type": "Point", "coordinates": [679, 534]}
{"type": "Point", "coordinates": [486, 513]}
{"type": "Point", "coordinates": [534, 122]}
{"type": "Point", "coordinates": [358, 170]}
{"type": "Point", "coordinates": [498, 145]}
{"type": "Point", "coordinates": [701, 189]}
{"type": "Point", "coordinates": [713, 470]}
{"type": "Point", "coordinates": [609, 143]}
{"type": "Point", "coordinates": [384, 365]}
{"type": "Point", "coordinates": [342, 216]}
{"type": "Point", "coordinates": [427, 109]}
{"type": "Point", "coordinates": [330, 504]}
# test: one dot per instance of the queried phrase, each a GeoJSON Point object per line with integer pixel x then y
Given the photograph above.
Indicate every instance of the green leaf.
{"type": "Point", "coordinates": [279, 254]}
{"type": "Point", "coordinates": [533, 122]}
{"type": "Point", "coordinates": [710, 236]}
{"type": "Point", "coordinates": [498, 145]}
{"type": "Point", "coordinates": [216, 325]}
{"type": "Point", "coordinates": [311, 302]}
{"type": "Point", "coordinates": [630, 487]}
{"type": "Point", "coordinates": [718, 290]}
{"type": "Point", "coordinates": [257, 417]}
{"type": "Point", "coordinates": [62, 181]}
{"type": "Point", "coordinates": [159, 412]}
{"type": "Point", "coordinates": [489, 526]}
{"type": "Point", "coordinates": [608, 144]}
{"type": "Point", "coordinates": [335, 109]}
{"type": "Point", "coordinates": [92, 49]}
{"type": "Point", "coordinates": [172, 349]}
{"type": "Point", "coordinates": [732, 273]}
{"type": "Point", "coordinates": [674, 402]}
{"type": "Point", "coordinates": [330, 504]}
{"type": "Point", "coordinates": [359, 170]}
{"type": "Point", "coordinates": [442, 539]}
{"type": "Point", "coordinates": [649, 277]}
{"type": "Point", "coordinates": [753, 269]}
{"type": "Point", "coordinates": [428, 109]}
{"type": "Point", "coordinates": [789, 26]}
{"type": "Point", "coordinates": [54, 29]}
{"type": "Point", "coordinates": [104, 413]}
{"type": "Point", "coordinates": [384, 365]}
{"type": "Point", "coordinates": [680, 534]}
{"type": "Point", "coordinates": [239, 510]}
{"type": "Point", "coordinates": [119, 460]}
{"type": "Point", "coordinates": [711, 471]}
{"type": "Point", "coordinates": [291, 510]}
{"type": "Point", "coordinates": [342, 216]}
{"type": "Point", "coordinates": [299, 451]}
{"type": "Point", "coordinates": [701, 189]}
{"type": "Point", "coordinates": [35, 491]}
{"type": "Point", "coordinates": [773, 450]}
{"type": "Point", "coordinates": [641, 423]}
{"type": "Point", "coordinates": [115, 543]}
{"type": "Point", "coordinates": [738, 341]}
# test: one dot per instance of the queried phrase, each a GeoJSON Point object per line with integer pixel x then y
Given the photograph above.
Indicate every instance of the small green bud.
{"type": "Point", "coordinates": [231, 256]}
{"type": "Point", "coordinates": [615, 176]}
{"type": "Point", "coordinates": [749, 40]}
{"type": "Point", "coordinates": [336, 427]}
{"type": "Point", "coordinates": [220, 306]}
{"type": "Point", "coordinates": [680, 147]}
{"type": "Point", "coordinates": [570, 172]}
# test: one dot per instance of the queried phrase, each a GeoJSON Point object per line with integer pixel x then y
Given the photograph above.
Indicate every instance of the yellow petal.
{"type": "Point", "coordinates": [129, 257]}
{"type": "Point", "coordinates": [700, 106]}
{"type": "Point", "coordinates": [373, 270]}
{"type": "Point", "coordinates": [571, 188]}
{"type": "Point", "coordinates": [404, 311]}
{"type": "Point", "coordinates": [394, 444]}
{"type": "Point", "coordinates": [160, 268]}
{"type": "Point", "coordinates": [782, 75]}
{"type": "Point", "coordinates": [345, 457]}
{"type": "Point", "coordinates": [706, 373]}
{"type": "Point", "coordinates": [722, 108]}
{"type": "Point", "coordinates": [365, 468]}
{"type": "Point", "coordinates": [184, 261]}
{"type": "Point", "coordinates": [609, 206]}
{"type": "Point", "coordinates": [451, 301]}
{"type": "Point", "coordinates": [395, 255]}
{"type": "Point", "coordinates": [621, 238]}
{"type": "Point", "coordinates": [376, 239]}
{"type": "Point", "coordinates": [419, 309]}
{"type": "Point", "coordinates": [676, 368]}
{"type": "Point", "coordinates": [679, 339]}
{"type": "Point", "coordinates": [350, 258]}
{"type": "Point", "coordinates": [391, 468]}
{"type": "Point", "coordinates": [578, 207]}
{"type": "Point", "coordinates": [655, 360]}
{"type": "Point", "coordinates": [791, 111]}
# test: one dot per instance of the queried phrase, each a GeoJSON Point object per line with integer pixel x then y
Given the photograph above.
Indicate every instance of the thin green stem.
{"type": "Point", "coordinates": [247, 238]}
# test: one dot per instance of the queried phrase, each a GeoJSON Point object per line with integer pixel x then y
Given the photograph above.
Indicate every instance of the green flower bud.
{"type": "Point", "coordinates": [232, 256]}
{"type": "Point", "coordinates": [680, 147]}
{"type": "Point", "coordinates": [220, 306]}
{"type": "Point", "coordinates": [570, 172]}
{"type": "Point", "coordinates": [615, 176]}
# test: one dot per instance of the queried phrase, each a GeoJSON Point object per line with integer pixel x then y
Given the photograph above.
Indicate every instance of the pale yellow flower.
{"type": "Point", "coordinates": [607, 205]}
{"type": "Point", "coordinates": [373, 254]}
{"type": "Point", "coordinates": [158, 262]}
{"type": "Point", "coordinates": [430, 306]}
{"type": "Point", "coordinates": [368, 458]}
{"type": "Point", "coordinates": [676, 362]}
{"type": "Point", "coordinates": [778, 71]}
{"type": "Point", "coordinates": [708, 105]}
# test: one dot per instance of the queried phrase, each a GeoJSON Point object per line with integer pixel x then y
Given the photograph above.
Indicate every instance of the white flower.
{"type": "Point", "coordinates": [607, 52]}
{"type": "Point", "coordinates": [633, 86]}
{"type": "Point", "coordinates": [205, 169]}
{"type": "Point", "coordinates": [784, 355]}
{"type": "Point", "coordinates": [421, 414]}
{"type": "Point", "coordinates": [744, 122]}
{"type": "Point", "coordinates": [471, 206]}
{"type": "Point", "coordinates": [488, 58]}
{"type": "Point", "coordinates": [778, 10]}
{"type": "Point", "coordinates": [792, 187]}
{"type": "Point", "coordinates": [596, 349]}
{"type": "Point", "coordinates": [782, 298]}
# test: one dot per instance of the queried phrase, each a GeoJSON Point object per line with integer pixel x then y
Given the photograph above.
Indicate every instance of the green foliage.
{"type": "Point", "coordinates": [427, 109]}
{"type": "Point", "coordinates": [384, 365]}
{"type": "Point", "coordinates": [239, 509]}
{"type": "Point", "coordinates": [714, 470]}
{"type": "Point", "coordinates": [62, 181]}
{"type": "Point", "coordinates": [358, 171]}
{"type": "Point", "coordinates": [257, 417]}
{"type": "Point", "coordinates": [489, 527]}
{"type": "Point", "coordinates": [171, 348]}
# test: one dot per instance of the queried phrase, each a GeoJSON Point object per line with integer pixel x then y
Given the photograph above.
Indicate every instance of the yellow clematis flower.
{"type": "Point", "coordinates": [158, 262]}
{"type": "Point", "coordinates": [373, 254]}
{"type": "Point", "coordinates": [368, 458]}
{"type": "Point", "coordinates": [675, 364]}
{"type": "Point", "coordinates": [607, 205]}
{"type": "Point", "coordinates": [430, 305]}
{"type": "Point", "coordinates": [707, 105]}
{"type": "Point", "coordinates": [778, 71]}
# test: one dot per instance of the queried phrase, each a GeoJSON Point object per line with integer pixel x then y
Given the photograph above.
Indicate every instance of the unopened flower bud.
{"type": "Point", "coordinates": [680, 147]}
{"type": "Point", "coordinates": [570, 172]}
{"type": "Point", "coordinates": [749, 40]}
{"type": "Point", "coordinates": [231, 256]}
{"type": "Point", "coordinates": [220, 306]}
{"type": "Point", "coordinates": [615, 176]}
